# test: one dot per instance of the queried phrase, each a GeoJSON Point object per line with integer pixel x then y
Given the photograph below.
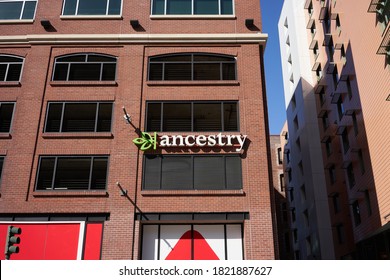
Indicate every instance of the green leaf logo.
{"type": "Point", "coordinates": [146, 141]}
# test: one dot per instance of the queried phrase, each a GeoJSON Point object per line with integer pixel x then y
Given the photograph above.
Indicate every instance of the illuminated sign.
{"type": "Point", "coordinates": [152, 140]}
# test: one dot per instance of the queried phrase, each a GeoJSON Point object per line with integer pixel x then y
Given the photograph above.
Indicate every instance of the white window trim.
{"type": "Point", "coordinates": [62, 16]}
{"type": "Point", "coordinates": [169, 16]}
{"type": "Point", "coordinates": [20, 20]}
{"type": "Point", "coordinates": [21, 70]}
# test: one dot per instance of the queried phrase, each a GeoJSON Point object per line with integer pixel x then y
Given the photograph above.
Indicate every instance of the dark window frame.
{"type": "Point", "coordinates": [21, 62]}
{"type": "Point", "coordinates": [12, 115]}
{"type": "Point", "coordinates": [192, 156]}
{"type": "Point", "coordinates": [2, 160]}
{"type": "Point", "coordinates": [356, 213]}
{"type": "Point", "coordinates": [192, 62]}
{"type": "Point", "coordinates": [192, 103]}
{"type": "Point", "coordinates": [22, 10]}
{"type": "Point", "coordinates": [153, 13]}
{"type": "Point", "coordinates": [78, 102]}
{"type": "Point", "coordinates": [56, 157]}
{"type": "Point", "coordinates": [85, 62]}
{"type": "Point", "coordinates": [81, 15]}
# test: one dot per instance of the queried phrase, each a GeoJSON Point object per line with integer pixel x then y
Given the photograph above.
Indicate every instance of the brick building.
{"type": "Point", "coordinates": [80, 80]}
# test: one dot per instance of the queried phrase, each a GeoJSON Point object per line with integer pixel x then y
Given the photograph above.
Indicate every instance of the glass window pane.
{"type": "Point", "coordinates": [72, 173]}
{"type": "Point", "coordinates": [233, 173]}
{"type": "Point", "coordinates": [226, 7]}
{"type": "Point", "coordinates": [114, 7]}
{"type": "Point", "coordinates": [99, 173]}
{"type": "Point", "coordinates": [29, 10]}
{"type": "Point", "coordinates": [154, 117]}
{"type": "Point", "coordinates": [14, 71]}
{"type": "Point", "coordinates": [155, 72]}
{"type": "Point", "coordinates": [5, 58]}
{"type": "Point", "coordinates": [104, 117]}
{"type": "Point", "coordinates": [177, 72]}
{"type": "Point", "coordinates": [92, 7]}
{"type": "Point", "coordinates": [10, 10]}
{"type": "Point", "coordinates": [45, 174]}
{"type": "Point", "coordinates": [228, 71]}
{"type": "Point", "coordinates": [70, 7]}
{"type": "Point", "coordinates": [3, 70]}
{"type": "Point", "coordinates": [53, 121]}
{"type": "Point", "coordinates": [152, 172]}
{"type": "Point", "coordinates": [84, 72]}
{"type": "Point", "coordinates": [158, 7]}
{"type": "Point", "coordinates": [60, 72]}
{"type": "Point", "coordinates": [177, 117]}
{"type": "Point", "coordinates": [79, 117]}
{"type": "Point", "coordinates": [209, 173]}
{"type": "Point", "coordinates": [206, 7]}
{"type": "Point", "coordinates": [181, 58]}
{"type": "Point", "coordinates": [72, 58]}
{"type": "Point", "coordinates": [179, 7]}
{"type": "Point", "coordinates": [6, 111]}
{"type": "Point", "coordinates": [108, 73]}
{"type": "Point", "coordinates": [214, 58]}
{"type": "Point", "coordinates": [230, 116]}
{"type": "Point", "coordinates": [176, 173]}
{"type": "Point", "coordinates": [207, 71]}
{"type": "Point", "coordinates": [100, 58]}
{"type": "Point", "coordinates": [207, 117]}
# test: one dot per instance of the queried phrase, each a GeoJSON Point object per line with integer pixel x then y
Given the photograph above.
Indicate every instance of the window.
{"type": "Point", "coordinates": [17, 10]}
{"type": "Point", "coordinates": [78, 117]}
{"type": "Point", "coordinates": [284, 212]}
{"type": "Point", "coordinates": [322, 96]}
{"type": "Point", "coordinates": [313, 30]}
{"type": "Point", "coordinates": [280, 156]}
{"type": "Point", "coordinates": [10, 68]}
{"type": "Point", "coordinates": [316, 52]}
{"type": "Point", "coordinates": [310, 9]}
{"type": "Point", "coordinates": [306, 218]}
{"type": "Point", "coordinates": [345, 140]}
{"type": "Point", "coordinates": [319, 73]}
{"type": "Point", "coordinates": [325, 121]}
{"type": "Point", "coordinates": [355, 124]}
{"type": "Point", "coordinates": [328, 147]}
{"type": "Point", "coordinates": [293, 214]}
{"type": "Point", "coordinates": [332, 174]}
{"type": "Point", "coordinates": [349, 88]}
{"type": "Point", "coordinates": [289, 175]}
{"type": "Point", "coordinates": [336, 203]}
{"type": "Point", "coordinates": [1, 166]}
{"type": "Point", "coordinates": [331, 49]}
{"type": "Point", "coordinates": [295, 235]}
{"type": "Point", "coordinates": [368, 202]}
{"type": "Point", "coordinates": [296, 123]}
{"type": "Point", "coordinates": [351, 176]}
{"type": "Point", "coordinates": [340, 108]}
{"type": "Point", "coordinates": [85, 67]}
{"type": "Point", "coordinates": [192, 116]}
{"type": "Point", "coordinates": [91, 7]}
{"type": "Point", "coordinates": [303, 193]}
{"type": "Point", "coordinates": [72, 173]}
{"type": "Point", "coordinates": [192, 172]}
{"type": "Point", "coordinates": [356, 213]}
{"type": "Point", "coordinates": [192, 7]}
{"type": "Point", "coordinates": [340, 233]}
{"type": "Point", "coordinates": [335, 77]}
{"type": "Point", "coordinates": [281, 180]}
{"type": "Point", "coordinates": [6, 114]}
{"type": "Point", "coordinates": [361, 161]}
{"type": "Point", "coordinates": [383, 13]}
{"type": "Point", "coordinates": [192, 67]}
{"type": "Point", "coordinates": [291, 194]}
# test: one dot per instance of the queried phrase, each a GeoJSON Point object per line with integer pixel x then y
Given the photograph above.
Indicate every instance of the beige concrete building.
{"type": "Point", "coordinates": [348, 50]}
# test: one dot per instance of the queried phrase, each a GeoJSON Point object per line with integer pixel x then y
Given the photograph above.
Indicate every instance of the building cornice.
{"type": "Point", "coordinates": [49, 39]}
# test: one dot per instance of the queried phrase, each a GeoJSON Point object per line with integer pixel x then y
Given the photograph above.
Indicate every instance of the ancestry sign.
{"type": "Point", "coordinates": [148, 141]}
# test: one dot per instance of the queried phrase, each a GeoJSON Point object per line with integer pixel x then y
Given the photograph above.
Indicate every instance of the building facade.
{"type": "Point", "coordinates": [346, 50]}
{"type": "Point", "coordinates": [135, 130]}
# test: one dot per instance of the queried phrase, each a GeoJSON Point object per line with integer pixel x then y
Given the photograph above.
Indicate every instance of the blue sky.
{"type": "Point", "coordinates": [273, 71]}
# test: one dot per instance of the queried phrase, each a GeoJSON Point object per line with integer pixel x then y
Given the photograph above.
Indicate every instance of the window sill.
{"type": "Point", "coordinates": [193, 83]}
{"type": "Point", "coordinates": [17, 21]}
{"type": "Point", "coordinates": [93, 17]}
{"type": "Point", "coordinates": [192, 17]}
{"type": "Point", "coordinates": [70, 135]}
{"type": "Point", "coordinates": [193, 193]}
{"type": "Point", "coordinates": [10, 84]}
{"type": "Point", "coordinates": [5, 135]}
{"type": "Point", "coordinates": [83, 83]}
{"type": "Point", "coordinates": [70, 193]}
